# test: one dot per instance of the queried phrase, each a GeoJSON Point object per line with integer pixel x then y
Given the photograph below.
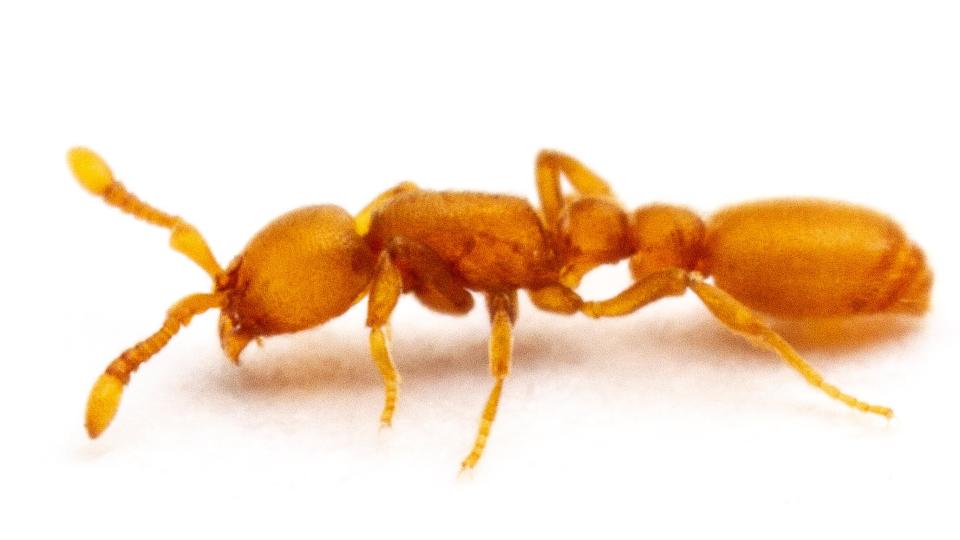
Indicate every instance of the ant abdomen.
{"type": "Point", "coordinates": [814, 258]}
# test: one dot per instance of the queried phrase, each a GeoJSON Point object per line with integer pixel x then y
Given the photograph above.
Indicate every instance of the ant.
{"type": "Point", "coordinates": [792, 258]}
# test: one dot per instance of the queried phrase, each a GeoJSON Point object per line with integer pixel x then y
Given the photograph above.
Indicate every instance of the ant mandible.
{"type": "Point", "coordinates": [790, 258]}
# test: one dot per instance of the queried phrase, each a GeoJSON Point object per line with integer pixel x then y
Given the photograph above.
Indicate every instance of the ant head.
{"type": "Point", "coordinates": [665, 237]}
{"type": "Point", "coordinates": [302, 269]}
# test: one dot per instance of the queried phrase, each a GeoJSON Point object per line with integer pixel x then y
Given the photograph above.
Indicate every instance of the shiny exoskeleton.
{"type": "Point", "coordinates": [791, 258]}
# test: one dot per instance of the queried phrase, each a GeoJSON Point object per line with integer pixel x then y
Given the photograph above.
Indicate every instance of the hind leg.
{"type": "Point", "coordinates": [729, 311]}
{"type": "Point", "coordinates": [739, 318]}
{"type": "Point", "coordinates": [549, 166]}
{"type": "Point", "coordinates": [556, 298]}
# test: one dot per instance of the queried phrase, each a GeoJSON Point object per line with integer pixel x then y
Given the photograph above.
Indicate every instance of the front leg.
{"type": "Point", "coordinates": [384, 293]}
{"type": "Point", "coordinates": [407, 265]}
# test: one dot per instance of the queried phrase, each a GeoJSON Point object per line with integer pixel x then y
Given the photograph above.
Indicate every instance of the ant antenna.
{"type": "Point", "coordinates": [93, 174]}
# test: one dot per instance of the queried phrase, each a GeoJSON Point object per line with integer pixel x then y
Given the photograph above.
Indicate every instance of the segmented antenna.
{"type": "Point", "coordinates": [93, 174]}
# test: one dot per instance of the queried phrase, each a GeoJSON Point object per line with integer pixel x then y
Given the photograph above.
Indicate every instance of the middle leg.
{"type": "Point", "coordinates": [503, 313]}
{"type": "Point", "coordinates": [550, 164]}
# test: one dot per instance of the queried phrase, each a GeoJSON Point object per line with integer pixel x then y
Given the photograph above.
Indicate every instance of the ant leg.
{"type": "Point", "coordinates": [742, 320]}
{"type": "Point", "coordinates": [653, 287]}
{"type": "Point", "coordinates": [94, 175]}
{"type": "Point", "coordinates": [362, 220]}
{"type": "Point", "coordinates": [556, 298]}
{"type": "Point", "coordinates": [105, 395]}
{"type": "Point", "coordinates": [503, 313]}
{"type": "Point", "coordinates": [405, 265]}
{"type": "Point", "coordinates": [549, 165]}
{"type": "Point", "coordinates": [573, 273]}
{"type": "Point", "coordinates": [384, 292]}
{"type": "Point", "coordinates": [733, 314]}
{"type": "Point", "coordinates": [430, 277]}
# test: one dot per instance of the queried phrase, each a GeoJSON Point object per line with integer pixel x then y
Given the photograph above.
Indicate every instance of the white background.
{"type": "Point", "coordinates": [656, 425]}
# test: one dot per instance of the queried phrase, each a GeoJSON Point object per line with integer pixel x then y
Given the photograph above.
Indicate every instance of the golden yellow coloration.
{"type": "Point", "coordinates": [94, 175]}
{"type": "Point", "coordinates": [91, 171]}
{"type": "Point", "coordinates": [102, 403]}
{"type": "Point", "coordinates": [792, 258]}
{"type": "Point", "coordinates": [362, 220]}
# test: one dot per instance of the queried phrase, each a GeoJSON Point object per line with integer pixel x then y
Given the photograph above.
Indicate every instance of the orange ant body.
{"type": "Point", "coordinates": [790, 258]}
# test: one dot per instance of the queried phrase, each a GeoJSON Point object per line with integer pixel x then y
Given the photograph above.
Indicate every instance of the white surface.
{"type": "Point", "coordinates": [659, 424]}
